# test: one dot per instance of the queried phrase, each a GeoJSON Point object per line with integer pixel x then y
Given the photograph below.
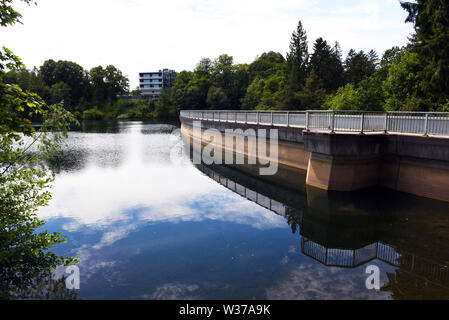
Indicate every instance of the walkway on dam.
{"type": "Point", "coordinates": [420, 123]}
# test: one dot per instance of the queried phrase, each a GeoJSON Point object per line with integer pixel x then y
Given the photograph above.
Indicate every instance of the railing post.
{"type": "Point", "coordinates": [362, 122]}
{"type": "Point", "coordinates": [271, 118]}
{"type": "Point", "coordinates": [235, 117]}
{"type": "Point", "coordinates": [288, 119]}
{"type": "Point", "coordinates": [333, 122]}
{"type": "Point", "coordinates": [307, 120]}
{"type": "Point", "coordinates": [426, 125]}
{"type": "Point", "coordinates": [386, 122]}
{"type": "Point", "coordinates": [246, 117]}
{"type": "Point", "coordinates": [258, 119]}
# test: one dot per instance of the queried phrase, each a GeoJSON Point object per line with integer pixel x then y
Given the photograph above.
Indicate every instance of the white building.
{"type": "Point", "coordinates": [151, 83]}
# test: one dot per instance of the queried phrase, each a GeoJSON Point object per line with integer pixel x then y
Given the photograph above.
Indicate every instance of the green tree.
{"type": "Point", "coordinates": [24, 177]}
{"type": "Point", "coordinates": [253, 94]}
{"type": "Point", "coordinates": [326, 63]}
{"type": "Point", "coordinates": [297, 67]}
{"type": "Point", "coordinates": [204, 68]}
{"type": "Point", "coordinates": [217, 99]}
{"type": "Point", "coordinates": [297, 59]}
{"type": "Point", "coordinates": [29, 80]}
{"type": "Point", "coordinates": [346, 98]}
{"type": "Point", "coordinates": [163, 106]}
{"type": "Point", "coordinates": [313, 95]}
{"type": "Point", "coordinates": [359, 66]}
{"type": "Point", "coordinates": [401, 85]}
{"type": "Point", "coordinates": [431, 44]}
{"type": "Point", "coordinates": [106, 84]}
{"type": "Point", "coordinates": [273, 92]}
{"type": "Point", "coordinates": [266, 65]}
{"type": "Point", "coordinates": [60, 92]}
{"type": "Point", "coordinates": [179, 90]}
{"type": "Point", "coordinates": [72, 75]}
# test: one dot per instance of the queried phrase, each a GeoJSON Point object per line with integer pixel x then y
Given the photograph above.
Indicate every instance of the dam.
{"type": "Point", "coordinates": [348, 150]}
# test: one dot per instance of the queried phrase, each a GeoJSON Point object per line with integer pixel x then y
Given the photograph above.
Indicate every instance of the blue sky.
{"type": "Point", "coordinates": [143, 35]}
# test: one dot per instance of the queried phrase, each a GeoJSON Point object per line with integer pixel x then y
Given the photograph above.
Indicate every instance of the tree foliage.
{"type": "Point", "coordinates": [431, 44]}
{"type": "Point", "coordinates": [25, 177]}
{"type": "Point", "coordinates": [67, 82]}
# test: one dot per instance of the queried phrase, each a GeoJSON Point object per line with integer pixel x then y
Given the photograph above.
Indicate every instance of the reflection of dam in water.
{"type": "Point", "coordinates": [262, 200]}
{"type": "Point", "coordinates": [350, 258]}
{"type": "Point", "coordinates": [334, 239]}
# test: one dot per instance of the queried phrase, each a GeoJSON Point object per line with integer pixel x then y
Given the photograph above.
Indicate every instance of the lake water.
{"type": "Point", "coordinates": [146, 223]}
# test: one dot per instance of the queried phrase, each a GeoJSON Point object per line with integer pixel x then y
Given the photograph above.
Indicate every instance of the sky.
{"type": "Point", "coordinates": [148, 35]}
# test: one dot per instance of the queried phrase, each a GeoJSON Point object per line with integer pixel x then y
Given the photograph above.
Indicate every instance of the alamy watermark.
{"type": "Point", "coordinates": [373, 280]}
{"type": "Point", "coordinates": [258, 147]}
{"type": "Point", "coordinates": [71, 274]}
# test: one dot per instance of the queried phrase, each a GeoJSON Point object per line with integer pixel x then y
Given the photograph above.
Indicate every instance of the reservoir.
{"type": "Point", "coordinates": [147, 223]}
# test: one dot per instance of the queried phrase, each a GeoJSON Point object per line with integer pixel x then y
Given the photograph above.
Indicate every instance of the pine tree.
{"type": "Point", "coordinates": [431, 43]}
{"type": "Point", "coordinates": [360, 66]}
{"type": "Point", "coordinates": [326, 63]}
{"type": "Point", "coordinates": [297, 59]}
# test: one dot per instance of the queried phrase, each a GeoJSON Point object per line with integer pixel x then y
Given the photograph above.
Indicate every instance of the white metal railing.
{"type": "Point", "coordinates": [425, 123]}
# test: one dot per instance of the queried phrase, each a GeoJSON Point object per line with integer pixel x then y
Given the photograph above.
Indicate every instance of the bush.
{"type": "Point", "coordinates": [346, 98]}
{"type": "Point", "coordinates": [93, 114]}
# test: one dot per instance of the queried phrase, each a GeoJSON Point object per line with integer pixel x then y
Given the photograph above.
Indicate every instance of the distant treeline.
{"type": "Point", "coordinates": [411, 78]}
{"type": "Point", "coordinates": [68, 82]}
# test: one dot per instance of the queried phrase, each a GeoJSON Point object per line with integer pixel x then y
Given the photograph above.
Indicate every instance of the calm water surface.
{"type": "Point", "coordinates": [148, 224]}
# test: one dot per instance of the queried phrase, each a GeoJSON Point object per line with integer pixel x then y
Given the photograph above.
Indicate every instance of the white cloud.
{"type": "Point", "coordinates": [313, 281]}
{"type": "Point", "coordinates": [144, 187]}
{"type": "Point", "coordinates": [139, 35]}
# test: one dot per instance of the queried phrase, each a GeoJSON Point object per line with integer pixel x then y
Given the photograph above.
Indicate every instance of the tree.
{"type": "Point", "coordinates": [253, 94]}
{"type": "Point", "coordinates": [72, 75]}
{"type": "Point", "coordinates": [297, 67]}
{"type": "Point", "coordinates": [179, 90]}
{"type": "Point", "coordinates": [431, 44]}
{"type": "Point", "coordinates": [401, 86]}
{"type": "Point", "coordinates": [8, 15]}
{"type": "Point", "coordinates": [346, 98]}
{"type": "Point", "coordinates": [24, 177]}
{"type": "Point", "coordinates": [266, 65]}
{"type": "Point", "coordinates": [29, 80]}
{"type": "Point", "coordinates": [222, 71]}
{"type": "Point", "coordinates": [106, 84]}
{"type": "Point", "coordinates": [239, 84]}
{"type": "Point", "coordinates": [273, 92]}
{"type": "Point", "coordinates": [297, 59]}
{"type": "Point", "coordinates": [325, 62]}
{"type": "Point", "coordinates": [204, 67]}
{"type": "Point", "coordinates": [217, 99]}
{"type": "Point", "coordinates": [163, 107]}
{"type": "Point", "coordinates": [60, 92]}
{"type": "Point", "coordinates": [359, 66]}
{"type": "Point", "coordinates": [313, 95]}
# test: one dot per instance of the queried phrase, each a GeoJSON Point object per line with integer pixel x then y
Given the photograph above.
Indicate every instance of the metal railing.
{"type": "Point", "coordinates": [424, 123]}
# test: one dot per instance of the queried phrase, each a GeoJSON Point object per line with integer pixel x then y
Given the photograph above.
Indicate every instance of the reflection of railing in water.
{"type": "Point", "coordinates": [426, 269]}
{"type": "Point", "coordinates": [333, 257]}
{"type": "Point", "coordinates": [270, 204]}
{"type": "Point", "coordinates": [416, 265]}
{"type": "Point", "coordinates": [349, 258]}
